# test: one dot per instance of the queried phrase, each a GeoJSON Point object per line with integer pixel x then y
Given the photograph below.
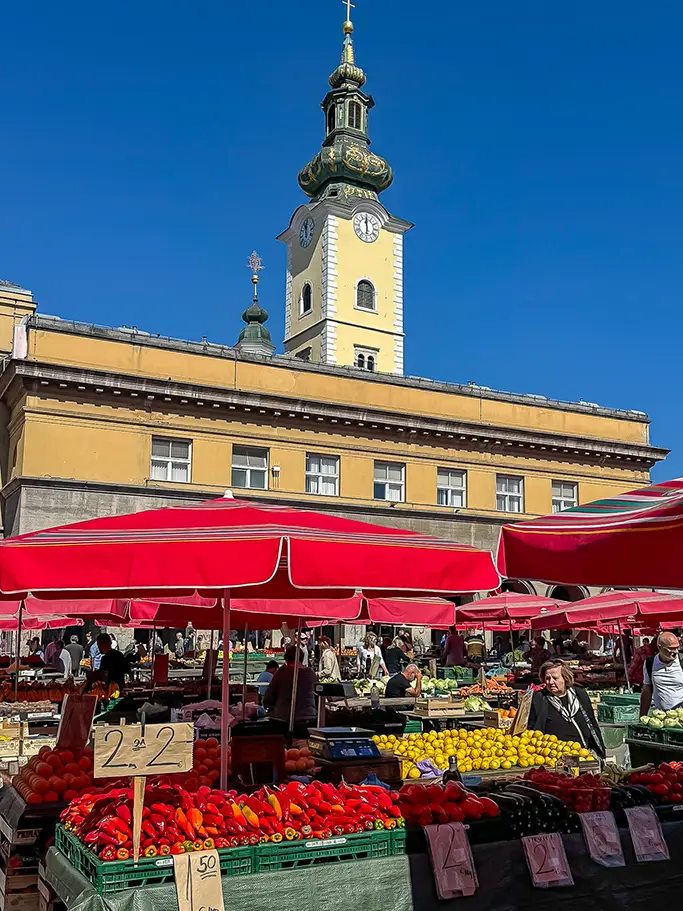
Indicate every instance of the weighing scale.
{"type": "Point", "coordinates": [343, 744]}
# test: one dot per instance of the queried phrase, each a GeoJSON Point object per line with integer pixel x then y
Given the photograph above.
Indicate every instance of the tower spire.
{"type": "Point", "coordinates": [345, 167]}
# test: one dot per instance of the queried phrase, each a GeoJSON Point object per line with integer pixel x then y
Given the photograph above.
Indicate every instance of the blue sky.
{"type": "Point", "coordinates": [148, 147]}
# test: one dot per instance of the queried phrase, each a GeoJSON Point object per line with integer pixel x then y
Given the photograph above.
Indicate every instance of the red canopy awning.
{"type": "Point", "coordinates": [507, 606]}
{"type": "Point", "coordinates": [236, 545]}
{"type": "Point", "coordinates": [616, 607]}
{"type": "Point", "coordinates": [634, 539]}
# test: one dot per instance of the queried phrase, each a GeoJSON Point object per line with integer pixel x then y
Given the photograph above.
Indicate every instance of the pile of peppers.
{"type": "Point", "coordinates": [176, 821]}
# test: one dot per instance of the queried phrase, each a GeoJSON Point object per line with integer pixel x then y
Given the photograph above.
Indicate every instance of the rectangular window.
{"type": "Point", "coordinates": [171, 459]}
{"type": "Point", "coordinates": [322, 474]}
{"type": "Point", "coordinates": [450, 488]}
{"type": "Point", "coordinates": [509, 493]}
{"type": "Point", "coordinates": [390, 481]}
{"type": "Point", "coordinates": [565, 495]}
{"type": "Point", "coordinates": [249, 467]}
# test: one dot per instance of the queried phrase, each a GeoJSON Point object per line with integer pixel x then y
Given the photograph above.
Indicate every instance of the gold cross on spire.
{"type": "Point", "coordinates": [349, 6]}
{"type": "Point", "coordinates": [255, 263]}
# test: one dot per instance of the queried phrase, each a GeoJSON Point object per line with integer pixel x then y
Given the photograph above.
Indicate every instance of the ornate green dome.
{"type": "Point", "coordinates": [255, 338]}
{"type": "Point", "coordinates": [345, 166]}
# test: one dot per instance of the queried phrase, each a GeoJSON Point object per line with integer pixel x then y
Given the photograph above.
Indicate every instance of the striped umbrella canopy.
{"type": "Point", "coordinates": [507, 606]}
{"type": "Point", "coordinates": [617, 607]}
{"type": "Point", "coordinates": [634, 539]}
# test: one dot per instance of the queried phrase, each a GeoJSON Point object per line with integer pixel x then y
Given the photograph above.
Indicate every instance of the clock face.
{"type": "Point", "coordinates": [366, 226]}
{"type": "Point", "coordinates": [306, 232]}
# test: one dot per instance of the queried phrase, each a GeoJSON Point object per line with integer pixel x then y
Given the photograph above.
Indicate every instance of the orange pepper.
{"type": "Point", "coordinates": [251, 817]}
{"type": "Point", "coordinates": [290, 834]}
{"type": "Point", "coordinates": [294, 809]}
{"type": "Point", "coordinates": [238, 814]}
{"type": "Point", "coordinates": [196, 817]}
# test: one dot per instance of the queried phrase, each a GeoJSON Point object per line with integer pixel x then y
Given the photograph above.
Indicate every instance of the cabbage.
{"type": "Point", "coordinates": [659, 714]}
{"type": "Point", "coordinates": [644, 719]}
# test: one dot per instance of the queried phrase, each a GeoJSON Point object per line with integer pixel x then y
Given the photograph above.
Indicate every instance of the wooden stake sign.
{"type": "Point", "coordinates": [141, 750]}
{"type": "Point", "coordinates": [198, 881]}
{"type": "Point", "coordinates": [521, 720]}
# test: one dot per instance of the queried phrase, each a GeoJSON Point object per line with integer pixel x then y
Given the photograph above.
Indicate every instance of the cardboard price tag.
{"type": "Point", "coordinates": [75, 723]}
{"type": "Point", "coordinates": [602, 838]}
{"type": "Point", "coordinates": [646, 834]}
{"type": "Point", "coordinates": [159, 749]}
{"type": "Point", "coordinates": [198, 881]}
{"type": "Point", "coordinates": [547, 860]}
{"type": "Point", "coordinates": [452, 861]}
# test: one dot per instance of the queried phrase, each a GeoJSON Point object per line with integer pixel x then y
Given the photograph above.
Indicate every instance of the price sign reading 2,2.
{"type": "Point", "coordinates": [547, 860]}
{"type": "Point", "coordinates": [131, 750]}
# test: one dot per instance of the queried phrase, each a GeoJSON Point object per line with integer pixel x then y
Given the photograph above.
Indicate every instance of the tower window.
{"type": "Point", "coordinates": [331, 118]}
{"type": "Point", "coordinates": [365, 359]}
{"type": "Point", "coordinates": [365, 295]}
{"type": "Point", "coordinates": [306, 299]}
{"type": "Point", "coordinates": [354, 115]}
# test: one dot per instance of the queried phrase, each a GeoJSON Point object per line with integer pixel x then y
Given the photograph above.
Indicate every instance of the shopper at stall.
{"type": "Point", "coordinates": [64, 659]}
{"type": "Point", "coordinates": [76, 650]}
{"type": "Point", "coordinates": [563, 708]}
{"type": "Point", "coordinates": [647, 649]}
{"type": "Point", "coordinates": [370, 660]}
{"type": "Point", "coordinates": [476, 648]}
{"type": "Point", "coordinates": [398, 656]}
{"type": "Point", "coordinates": [278, 697]}
{"type": "Point", "coordinates": [538, 656]}
{"type": "Point", "coordinates": [407, 683]}
{"type": "Point", "coordinates": [328, 668]}
{"type": "Point", "coordinates": [266, 676]}
{"type": "Point", "coordinates": [623, 650]}
{"type": "Point", "coordinates": [34, 649]}
{"type": "Point", "coordinates": [113, 665]}
{"type": "Point", "coordinates": [179, 646]}
{"type": "Point", "coordinates": [52, 651]}
{"type": "Point", "coordinates": [190, 638]}
{"type": "Point", "coordinates": [663, 676]}
{"type": "Point", "coordinates": [94, 653]}
{"type": "Point", "coordinates": [454, 649]}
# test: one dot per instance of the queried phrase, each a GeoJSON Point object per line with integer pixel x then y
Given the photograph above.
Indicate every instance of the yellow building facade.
{"type": "Point", "coordinates": [97, 420]}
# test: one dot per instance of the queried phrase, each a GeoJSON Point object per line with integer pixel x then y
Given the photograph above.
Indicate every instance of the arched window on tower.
{"type": "Point", "coordinates": [365, 295]}
{"type": "Point", "coordinates": [306, 299]}
{"type": "Point", "coordinates": [355, 115]}
{"type": "Point", "coordinates": [331, 118]}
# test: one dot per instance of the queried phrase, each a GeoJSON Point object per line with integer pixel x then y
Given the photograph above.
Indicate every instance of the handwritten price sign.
{"type": "Point", "coordinates": [452, 861]}
{"type": "Point", "coordinates": [646, 834]}
{"type": "Point", "coordinates": [602, 838]}
{"type": "Point", "coordinates": [547, 860]}
{"type": "Point", "coordinates": [198, 881]}
{"type": "Point", "coordinates": [161, 749]}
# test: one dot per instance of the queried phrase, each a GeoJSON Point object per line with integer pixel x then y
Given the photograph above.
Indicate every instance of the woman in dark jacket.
{"type": "Point", "coordinates": [562, 708]}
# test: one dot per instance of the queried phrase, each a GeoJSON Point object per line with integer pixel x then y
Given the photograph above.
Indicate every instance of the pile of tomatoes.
{"type": "Point", "coordinates": [665, 782]}
{"type": "Point", "coordinates": [55, 775]}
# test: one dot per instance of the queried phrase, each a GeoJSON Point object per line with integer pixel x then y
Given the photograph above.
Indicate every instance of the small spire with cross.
{"type": "Point", "coordinates": [255, 263]}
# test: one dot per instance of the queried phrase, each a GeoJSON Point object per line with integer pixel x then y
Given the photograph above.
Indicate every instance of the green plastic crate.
{"type": "Point", "coordinates": [673, 737]}
{"type": "Point", "coordinates": [620, 699]}
{"type": "Point", "coordinates": [288, 855]}
{"type": "Point", "coordinates": [116, 875]}
{"type": "Point", "coordinates": [413, 726]}
{"type": "Point", "coordinates": [618, 714]}
{"type": "Point", "coordinates": [645, 734]}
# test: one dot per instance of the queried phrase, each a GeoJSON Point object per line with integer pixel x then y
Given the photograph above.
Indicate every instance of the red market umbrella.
{"type": "Point", "coordinates": [235, 544]}
{"type": "Point", "coordinates": [108, 610]}
{"type": "Point", "coordinates": [507, 606]}
{"type": "Point", "coordinates": [634, 539]}
{"type": "Point", "coordinates": [33, 623]}
{"type": "Point", "coordinates": [611, 607]}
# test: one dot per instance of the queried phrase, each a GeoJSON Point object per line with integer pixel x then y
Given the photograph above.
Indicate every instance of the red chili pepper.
{"type": "Point", "coordinates": [164, 850]}
{"type": "Point", "coordinates": [108, 853]}
{"type": "Point", "coordinates": [177, 848]}
{"type": "Point", "coordinates": [163, 809]}
{"type": "Point", "coordinates": [159, 822]}
{"type": "Point", "coordinates": [123, 812]}
{"type": "Point", "coordinates": [148, 828]}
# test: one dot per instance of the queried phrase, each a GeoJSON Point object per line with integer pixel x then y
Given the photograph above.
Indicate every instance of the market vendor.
{"type": "Point", "coordinates": [407, 683]}
{"type": "Point", "coordinates": [113, 665]}
{"type": "Point", "coordinates": [277, 699]}
{"type": "Point", "coordinates": [563, 708]}
{"type": "Point", "coordinates": [663, 676]}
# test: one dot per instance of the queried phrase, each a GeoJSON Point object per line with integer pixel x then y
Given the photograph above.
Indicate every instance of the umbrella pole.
{"type": "Point", "coordinates": [244, 678]}
{"type": "Point", "coordinates": [211, 665]}
{"type": "Point", "coordinates": [512, 643]}
{"type": "Point", "coordinates": [225, 692]}
{"type": "Point", "coordinates": [16, 675]}
{"type": "Point", "coordinates": [295, 681]}
{"type": "Point", "coordinates": [623, 656]}
{"type": "Point", "coordinates": [154, 652]}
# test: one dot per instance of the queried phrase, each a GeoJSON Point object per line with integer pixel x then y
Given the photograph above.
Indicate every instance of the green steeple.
{"type": "Point", "coordinates": [345, 167]}
{"type": "Point", "coordinates": [255, 338]}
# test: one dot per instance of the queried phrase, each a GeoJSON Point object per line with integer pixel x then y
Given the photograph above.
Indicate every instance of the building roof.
{"type": "Point", "coordinates": [128, 334]}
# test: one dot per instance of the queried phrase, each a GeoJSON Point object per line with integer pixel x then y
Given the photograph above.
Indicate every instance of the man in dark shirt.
{"type": "Point", "coordinates": [407, 683]}
{"type": "Point", "coordinates": [277, 699]}
{"type": "Point", "coordinates": [113, 664]}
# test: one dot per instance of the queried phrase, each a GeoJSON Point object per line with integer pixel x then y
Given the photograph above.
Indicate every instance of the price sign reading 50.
{"type": "Point", "coordinates": [157, 749]}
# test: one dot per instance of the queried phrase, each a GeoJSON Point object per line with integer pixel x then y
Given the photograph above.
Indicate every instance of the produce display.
{"type": "Point", "coordinates": [483, 749]}
{"type": "Point", "coordinates": [37, 692]}
{"type": "Point", "coordinates": [582, 793]}
{"type": "Point", "coordinates": [492, 687]}
{"type": "Point", "coordinates": [55, 775]}
{"type": "Point", "coordinates": [426, 806]}
{"type": "Point", "coordinates": [658, 718]}
{"type": "Point", "coordinates": [9, 709]}
{"type": "Point", "coordinates": [176, 821]}
{"type": "Point", "coordinates": [665, 782]}
{"type": "Point", "coordinates": [299, 762]}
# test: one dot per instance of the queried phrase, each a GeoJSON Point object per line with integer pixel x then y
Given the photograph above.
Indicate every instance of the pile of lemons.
{"type": "Point", "coordinates": [481, 749]}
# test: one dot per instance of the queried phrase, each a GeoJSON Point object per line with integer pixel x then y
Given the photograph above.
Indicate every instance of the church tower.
{"type": "Point", "coordinates": [344, 294]}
